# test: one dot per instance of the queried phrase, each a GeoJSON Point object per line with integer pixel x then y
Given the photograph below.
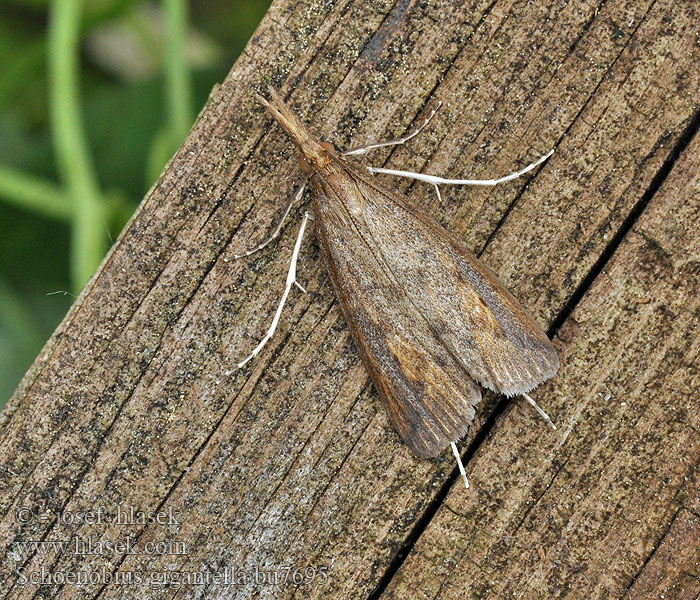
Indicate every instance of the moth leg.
{"type": "Point", "coordinates": [291, 280]}
{"type": "Point", "coordinates": [277, 230]}
{"type": "Point", "coordinates": [459, 464]}
{"type": "Point", "coordinates": [434, 180]}
{"type": "Point", "coordinates": [536, 406]}
{"type": "Point", "coordinates": [310, 217]}
{"type": "Point", "coordinates": [396, 142]}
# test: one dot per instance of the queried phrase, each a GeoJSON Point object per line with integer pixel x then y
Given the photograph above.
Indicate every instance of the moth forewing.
{"type": "Point", "coordinates": [467, 307]}
{"type": "Point", "coordinates": [428, 396]}
{"type": "Point", "coordinates": [429, 319]}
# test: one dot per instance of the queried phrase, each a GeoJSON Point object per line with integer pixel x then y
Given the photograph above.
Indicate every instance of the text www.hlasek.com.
{"type": "Point", "coordinates": [88, 546]}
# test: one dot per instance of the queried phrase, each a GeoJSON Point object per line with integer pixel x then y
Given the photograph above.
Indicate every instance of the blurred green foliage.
{"type": "Point", "coordinates": [95, 96]}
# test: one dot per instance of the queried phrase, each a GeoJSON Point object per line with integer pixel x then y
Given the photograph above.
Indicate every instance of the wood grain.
{"type": "Point", "coordinates": [135, 401]}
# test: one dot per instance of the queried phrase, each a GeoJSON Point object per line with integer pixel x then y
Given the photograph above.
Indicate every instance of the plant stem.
{"type": "Point", "coordinates": [177, 73]}
{"type": "Point", "coordinates": [70, 146]}
{"type": "Point", "coordinates": [34, 193]}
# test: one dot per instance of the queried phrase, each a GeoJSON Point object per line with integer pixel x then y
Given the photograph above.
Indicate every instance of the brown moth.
{"type": "Point", "coordinates": [431, 321]}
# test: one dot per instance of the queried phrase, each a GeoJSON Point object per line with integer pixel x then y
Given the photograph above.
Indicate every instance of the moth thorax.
{"type": "Point", "coordinates": [304, 162]}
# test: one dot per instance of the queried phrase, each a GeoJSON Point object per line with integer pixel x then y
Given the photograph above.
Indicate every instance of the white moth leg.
{"type": "Point", "coordinates": [437, 191]}
{"type": "Point", "coordinates": [277, 230]}
{"type": "Point", "coordinates": [536, 406]}
{"type": "Point", "coordinates": [434, 180]}
{"type": "Point", "coordinates": [309, 217]}
{"type": "Point", "coordinates": [291, 280]}
{"type": "Point", "coordinates": [459, 464]}
{"type": "Point", "coordinates": [397, 142]}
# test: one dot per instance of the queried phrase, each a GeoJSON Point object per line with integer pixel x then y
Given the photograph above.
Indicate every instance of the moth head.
{"type": "Point", "coordinates": [306, 165]}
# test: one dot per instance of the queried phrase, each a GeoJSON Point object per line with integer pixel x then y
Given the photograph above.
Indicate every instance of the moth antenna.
{"type": "Point", "coordinates": [276, 232]}
{"type": "Point", "coordinates": [459, 464]}
{"type": "Point", "coordinates": [435, 180]}
{"type": "Point", "coordinates": [291, 280]}
{"type": "Point", "coordinates": [396, 142]}
{"type": "Point", "coordinates": [280, 112]}
{"type": "Point", "coordinates": [543, 414]}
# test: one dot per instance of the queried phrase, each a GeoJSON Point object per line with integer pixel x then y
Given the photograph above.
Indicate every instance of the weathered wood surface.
{"type": "Point", "coordinates": [290, 462]}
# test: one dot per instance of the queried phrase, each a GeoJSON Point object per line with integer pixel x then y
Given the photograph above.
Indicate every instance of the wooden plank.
{"type": "Point", "coordinates": [135, 401]}
{"type": "Point", "coordinates": [674, 568]}
{"type": "Point", "coordinates": [577, 513]}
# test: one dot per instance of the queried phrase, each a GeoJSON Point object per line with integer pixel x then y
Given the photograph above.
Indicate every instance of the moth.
{"type": "Point", "coordinates": [432, 323]}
